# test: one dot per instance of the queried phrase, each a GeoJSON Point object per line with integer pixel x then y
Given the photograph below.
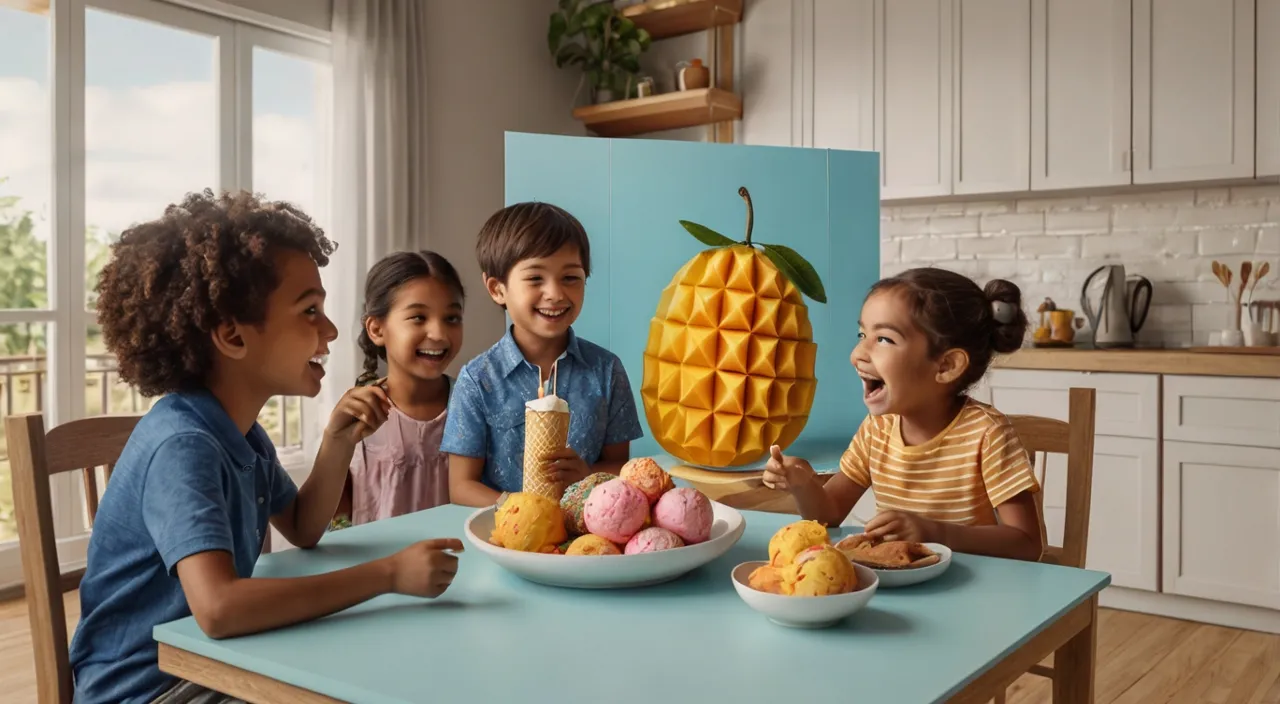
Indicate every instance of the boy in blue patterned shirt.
{"type": "Point", "coordinates": [535, 259]}
{"type": "Point", "coordinates": [218, 306]}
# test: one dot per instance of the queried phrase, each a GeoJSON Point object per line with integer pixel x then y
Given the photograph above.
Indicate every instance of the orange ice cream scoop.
{"type": "Point", "coordinates": [591, 544]}
{"type": "Point", "coordinates": [794, 537]}
{"type": "Point", "coordinates": [766, 578]}
{"type": "Point", "coordinates": [820, 570]}
{"type": "Point", "coordinates": [647, 476]}
{"type": "Point", "coordinates": [529, 523]}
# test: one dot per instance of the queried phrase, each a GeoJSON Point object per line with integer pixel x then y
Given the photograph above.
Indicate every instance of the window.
{"type": "Point", "coordinates": [138, 102]}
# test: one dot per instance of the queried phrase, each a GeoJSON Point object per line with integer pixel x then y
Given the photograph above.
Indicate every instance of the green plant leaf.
{"type": "Point", "coordinates": [797, 270]}
{"type": "Point", "coordinates": [706, 235]}
{"type": "Point", "coordinates": [555, 32]}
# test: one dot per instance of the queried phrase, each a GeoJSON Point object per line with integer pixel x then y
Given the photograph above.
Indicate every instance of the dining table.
{"type": "Point", "coordinates": [494, 637]}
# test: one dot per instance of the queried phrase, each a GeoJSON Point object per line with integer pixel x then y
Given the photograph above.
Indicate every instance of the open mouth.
{"type": "Point", "coordinates": [552, 313]}
{"type": "Point", "coordinates": [431, 354]}
{"type": "Point", "coordinates": [872, 388]}
{"type": "Point", "coordinates": [317, 364]}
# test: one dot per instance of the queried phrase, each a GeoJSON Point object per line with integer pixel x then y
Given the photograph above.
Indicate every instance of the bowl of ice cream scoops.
{"type": "Point", "coordinates": [807, 582]}
{"type": "Point", "coordinates": [607, 531]}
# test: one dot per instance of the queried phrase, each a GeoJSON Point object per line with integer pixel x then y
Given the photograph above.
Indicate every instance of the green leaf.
{"type": "Point", "coordinates": [555, 33]}
{"type": "Point", "coordinates": [706, 235]}
{"type": "Point", "coordinates": [797, 270]}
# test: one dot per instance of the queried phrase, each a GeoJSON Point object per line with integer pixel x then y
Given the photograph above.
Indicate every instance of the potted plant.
{"type": "Point", "coordinates": [607, 49]}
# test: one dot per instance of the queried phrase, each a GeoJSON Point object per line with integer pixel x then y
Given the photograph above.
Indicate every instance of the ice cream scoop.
{"type": "Point", "coordinates": [685, 512]}
{"type": "Point", "coordinates": [575, 499]}
{"type": "Point", "coordinates": [790, 539]}
{"type": "Point", "coordinates": [529, 523]}
{"type": "Point", "coordinates": [766, 578]}
{"type": "Point", "coordinates": [652, 539]}
{"type": "Point", "coordinates": [819, 570]}
{"type": "Point", "coordinates": [647, 476]}
{"type": "Point", "coordinates": [592, 545]}
{"type": "Point", "coordinates": [615, 510]}
{"type": "Point", "coordinates": [548, 404]}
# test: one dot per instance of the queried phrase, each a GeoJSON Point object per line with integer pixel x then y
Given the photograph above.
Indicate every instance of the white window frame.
{"type": "Point", "coordinates": [237, 31]}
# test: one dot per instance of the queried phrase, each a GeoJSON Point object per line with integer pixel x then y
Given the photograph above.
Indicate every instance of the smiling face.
{"type": "Point", "coordinates": [422, 331]}
{"type": "Point", "coordinates": [543, 295]}
{"type": "Point", "coordinates": [285, 354]}
{"type": "Point", "coordinates": [898, 370]}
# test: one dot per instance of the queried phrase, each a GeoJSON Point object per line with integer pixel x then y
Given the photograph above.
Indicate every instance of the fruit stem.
{"type": "Point", "coordinates": [742, 191]}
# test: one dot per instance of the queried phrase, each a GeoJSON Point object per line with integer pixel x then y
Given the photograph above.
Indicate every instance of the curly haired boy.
{"type": "Point", "coordinates": [218, 306]}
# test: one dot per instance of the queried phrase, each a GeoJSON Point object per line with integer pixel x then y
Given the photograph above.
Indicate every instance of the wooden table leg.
{"type": "Point", "coordinates": [1074, 664]}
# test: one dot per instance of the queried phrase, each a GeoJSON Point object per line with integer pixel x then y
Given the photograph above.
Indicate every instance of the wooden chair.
{"type": "Point", "coordinates": [1043, 436]}
{"type": "Point", "coordinates": [35, 457]}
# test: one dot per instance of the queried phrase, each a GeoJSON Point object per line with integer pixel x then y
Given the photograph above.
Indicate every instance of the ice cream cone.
{"type": "Point", "coordinates": [544, 432]}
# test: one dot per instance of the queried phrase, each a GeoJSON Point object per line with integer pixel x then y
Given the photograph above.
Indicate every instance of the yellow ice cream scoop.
{"type": "Point", "coordinates": [590, 544]}
{"type": "Point", "coordinates": [529, 523]}
{"type": "Point", "coordinates": [820, 570]}
{"type": "Point", "coordinates": [794, 537]}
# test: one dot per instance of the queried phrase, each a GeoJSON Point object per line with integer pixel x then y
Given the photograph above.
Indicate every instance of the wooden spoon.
{"type": "Point", "coordinates": [1264, 268]}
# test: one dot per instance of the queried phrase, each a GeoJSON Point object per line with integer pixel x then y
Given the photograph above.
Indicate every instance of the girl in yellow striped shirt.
{"type": "Point", "coordinates": [944, 467]}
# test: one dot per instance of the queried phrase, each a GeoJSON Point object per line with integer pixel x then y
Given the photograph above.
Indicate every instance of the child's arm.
{"type": "Point", "coordinates": [465, 487]}
{"type": "Point", "coordinates": [827, 504]}
{"type": "Point", "coordinates": [360, 412]}
{"type": "Point", "coordinates": [1017, 537]}
{"type": "Point", "coordinates": [226, 605]}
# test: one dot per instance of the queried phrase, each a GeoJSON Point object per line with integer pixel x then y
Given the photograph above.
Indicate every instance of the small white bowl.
{"type": "Point", "coordinates": [805, 611]}
{"type": "Point", "coordinates": [608, 571]}
{"type": "Point", "coordinates": [907, 577]}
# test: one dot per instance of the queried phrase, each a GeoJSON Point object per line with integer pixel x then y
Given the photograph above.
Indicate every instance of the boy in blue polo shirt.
{"type": "Point", "coordinates": [535, 259]}
{"type": "Point", "coordinates": [218, 306]}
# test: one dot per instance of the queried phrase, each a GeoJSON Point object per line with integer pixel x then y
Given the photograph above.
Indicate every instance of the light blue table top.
{"type": "Point", "coordinates": [494, 636]}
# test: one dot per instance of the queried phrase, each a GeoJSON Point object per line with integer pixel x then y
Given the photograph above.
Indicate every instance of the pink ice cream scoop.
{"type": "Point", "coordinates": [615, 510]}
{"type": "Point", "coordinates": [652, 539]}
{"type": "Point", "coordinates": [685, 512]}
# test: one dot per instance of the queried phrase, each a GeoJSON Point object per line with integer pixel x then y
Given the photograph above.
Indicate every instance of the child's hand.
{"type": "Point", "coordinates": [424, 569]}
{"type": "Point", "coordinates": [360, 412]}
{"type": "Point", "coordinates": [568, 465]}
{"type": "Point", "coordinates": [899, 525]}
{"type": "Point", "coordinates": [785, 473]}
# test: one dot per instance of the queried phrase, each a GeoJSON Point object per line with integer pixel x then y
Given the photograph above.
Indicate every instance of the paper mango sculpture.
{"type": "Point", "coordinates": [728, 369]}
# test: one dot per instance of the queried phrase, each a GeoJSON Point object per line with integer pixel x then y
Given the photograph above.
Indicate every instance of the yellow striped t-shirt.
{"type": "Point", "coordinates": [960, 476]}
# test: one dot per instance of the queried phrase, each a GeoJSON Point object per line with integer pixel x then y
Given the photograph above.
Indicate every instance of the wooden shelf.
{"type": "Point", "coordinates": [1144, 361]}
{"type": "Point", "coordinates": [672, 18]}
{"type": "Point", "coordinates": [668, 111]}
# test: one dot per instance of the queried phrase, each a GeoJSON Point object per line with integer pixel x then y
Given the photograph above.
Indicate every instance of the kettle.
{"type": "Point", "coordinates": [1118, 315]}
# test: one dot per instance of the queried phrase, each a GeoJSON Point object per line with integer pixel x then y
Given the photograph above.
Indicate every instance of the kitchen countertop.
{"type": "Point", "coordinates": [1144, 361]}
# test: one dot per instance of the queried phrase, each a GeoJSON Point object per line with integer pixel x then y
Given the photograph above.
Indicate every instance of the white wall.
{"type": "Point", "coordinates": [489, 71]}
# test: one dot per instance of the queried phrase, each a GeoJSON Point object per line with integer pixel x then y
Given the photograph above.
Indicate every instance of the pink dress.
{"type": "Point", "coordinates": [399, 469]}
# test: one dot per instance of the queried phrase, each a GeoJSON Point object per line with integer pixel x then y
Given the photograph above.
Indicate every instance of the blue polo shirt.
{"type": "Point", "coordinates": [486, 406]}
{"type": "Point", "coordinates": [188, 481]}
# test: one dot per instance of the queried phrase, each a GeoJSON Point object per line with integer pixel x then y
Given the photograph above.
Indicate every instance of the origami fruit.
{"type": "Point", "coordinates": [729, 365]}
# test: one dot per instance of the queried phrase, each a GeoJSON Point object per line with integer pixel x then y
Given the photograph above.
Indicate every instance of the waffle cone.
{"type": "Point", "coordinates": [544, 432]}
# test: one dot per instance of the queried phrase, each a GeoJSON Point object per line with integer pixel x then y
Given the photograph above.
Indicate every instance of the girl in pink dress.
{"type": "Point", "coordinates": [413, 323]}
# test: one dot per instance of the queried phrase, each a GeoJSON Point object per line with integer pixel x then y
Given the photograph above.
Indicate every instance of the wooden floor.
{"type": "Point", "coordinates": [1141, 660]}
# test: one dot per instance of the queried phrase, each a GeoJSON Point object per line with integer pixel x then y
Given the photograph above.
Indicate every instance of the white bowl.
{"type": "Point", "coordinates": [608, 571]}
{"type": "Point", "coordinates": [907, 577]}
{"type": "Point", "coordinates": [805, 611]}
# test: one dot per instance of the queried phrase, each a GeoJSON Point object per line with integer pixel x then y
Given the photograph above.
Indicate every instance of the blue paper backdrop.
{"type": "Point", "coordinates": [630, 196]}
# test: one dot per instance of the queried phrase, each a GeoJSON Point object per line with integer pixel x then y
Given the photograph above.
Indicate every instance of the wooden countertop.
{"type": "Point", "coordinates": [1144, 361]}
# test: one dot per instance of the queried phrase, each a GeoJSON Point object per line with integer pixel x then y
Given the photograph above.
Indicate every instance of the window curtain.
{"type": "Point", "coordinates": [380, 162]}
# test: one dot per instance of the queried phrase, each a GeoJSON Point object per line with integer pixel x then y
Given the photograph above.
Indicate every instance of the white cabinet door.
{"type": "Point", "coordinates": [913, 97]}
{"type": "Point", "coordinates": [1225, 411]}
{"type": "Point", "coordinates": [771, 51]}
{"type": "Point", "coordinates": [1221, 509]}
{"type": "Point", "coordinates": [1268, 87]}
{"type": "Point", "coordinates": [843, 115]}
{"type": "Point", "coordinates": [991, 125]}
{"type": "Point", "coordinates": [1126, 405]}
{"type": "Point", "coordinates": [1193, 87]}
{"type": "Point", "coordinates": [1080, 93]}
{"type": "Point", "coordinates": [1124, 513]}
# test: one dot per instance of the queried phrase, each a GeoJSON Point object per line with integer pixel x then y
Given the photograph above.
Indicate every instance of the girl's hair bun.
{"type": "Point", "coordinates": [1006, 336]}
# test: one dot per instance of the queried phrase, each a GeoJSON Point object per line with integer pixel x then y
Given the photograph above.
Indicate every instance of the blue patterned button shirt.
{"type": "Point", "coordinates": [486, 406]}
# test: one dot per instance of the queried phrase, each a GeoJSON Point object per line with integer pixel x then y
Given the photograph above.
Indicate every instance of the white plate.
{"type": "Point", "coordinates": [608, 571]}
{"type": "Point", "coordinates": [907, 577]}
{"type": "Point", "coordinates": [805, 611]}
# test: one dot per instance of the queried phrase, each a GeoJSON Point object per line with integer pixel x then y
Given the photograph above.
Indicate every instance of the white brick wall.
{"type": "Point", "coordinates": [1049, 245]}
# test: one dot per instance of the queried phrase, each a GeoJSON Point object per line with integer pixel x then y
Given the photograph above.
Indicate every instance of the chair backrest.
{"type": "Point", "coordinates": [34, 457]}
{"type": "Point", "coordinates": [1041, 436]}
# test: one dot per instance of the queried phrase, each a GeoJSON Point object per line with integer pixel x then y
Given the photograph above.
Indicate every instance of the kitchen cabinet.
{"type": "Point", "coordinates": [1193, 90]}
{"type": "Point", "coordinates": [843, 75]}
{"type": "Point", "coordinates": [1268, 93]}
{"type": "Point", "coordinates": [1081, 93]}
{"type": "Point", "coordinates": [991, 123]}
{"type": "Point", "coordinates": [913, 97]}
